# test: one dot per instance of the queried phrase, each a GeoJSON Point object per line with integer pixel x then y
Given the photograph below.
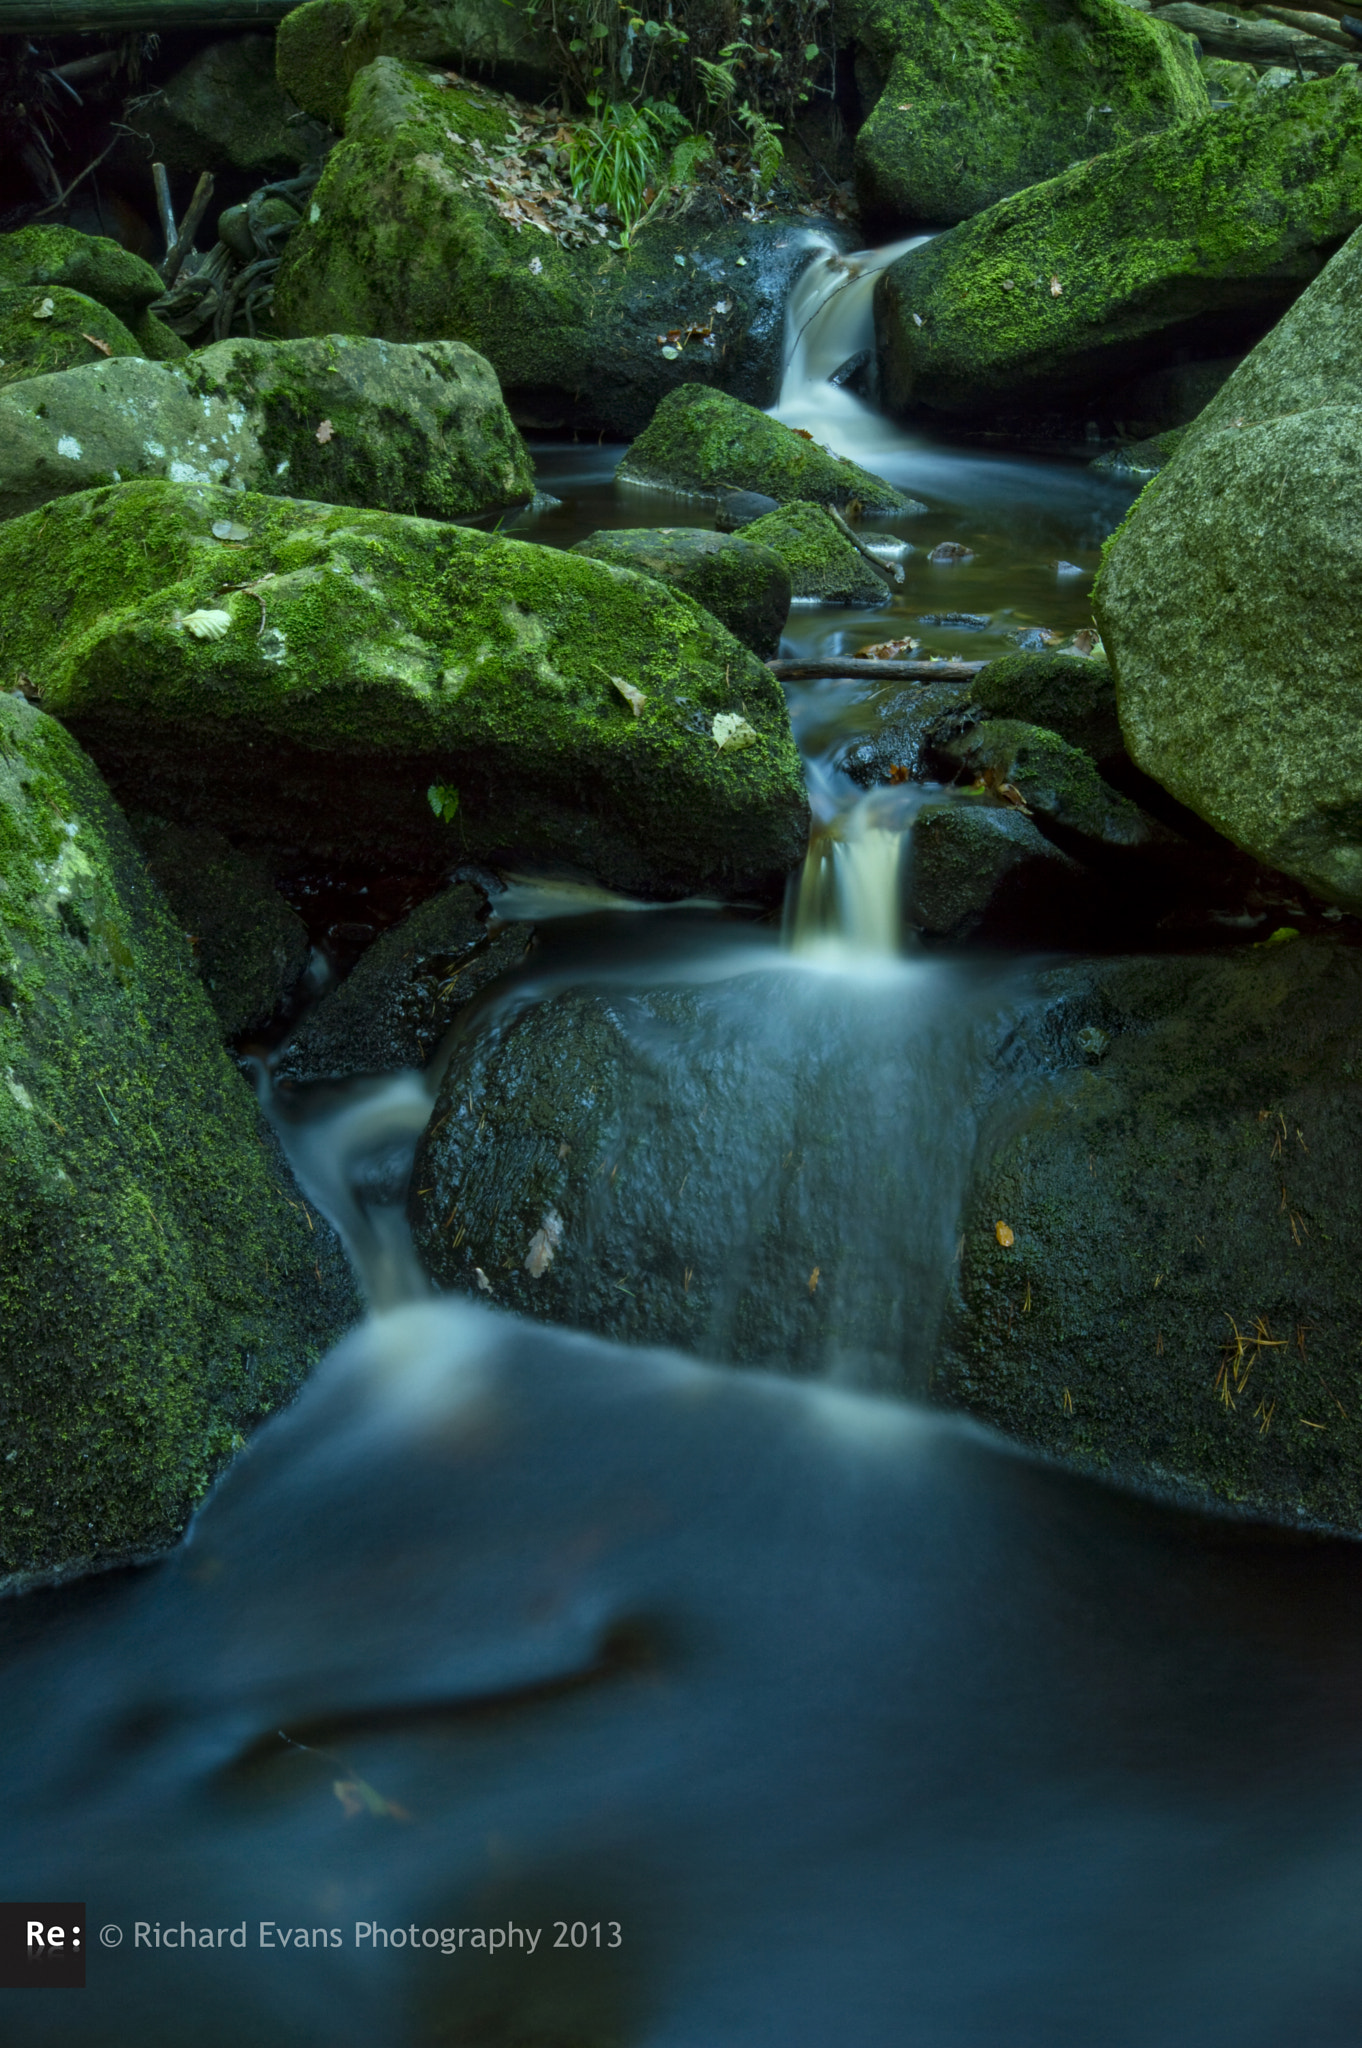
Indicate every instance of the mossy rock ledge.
{"type": "Point", "coordinates": [352, 422]}
{"type": "Point", "coordinates": [744, 585]}
{"type": "Point", "coordinates": [403, 238]}
{"type": "Point", "coordinates": [45, 331]}
{"type": "Point", "coordinates": [707, 443]}
{"type": "Point", "coordinates": [1228, 600]}
{"type": "Point", "coordinates": [323, 45]}
{"type": "Point", "coordinates": [373, 688]}
{"type": "Point", "coordinates": [973, 99]}
{"type": "Point", "coordinates": [101, 269]}
{"type": "Point", "coordinates": [161, 1286]}
{"type": "Point", "coordinates": [1056, 300]}
{"type": "Point", "coordinates": [1173, 1299]}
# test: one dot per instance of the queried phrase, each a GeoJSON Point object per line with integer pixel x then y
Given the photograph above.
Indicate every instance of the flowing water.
{"type": "Point", "coordinates": [819, 1718]}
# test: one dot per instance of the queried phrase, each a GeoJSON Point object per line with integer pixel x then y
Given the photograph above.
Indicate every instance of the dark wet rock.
{"type": "Point", "coordinates": [403, 238]}
{"type": "Point", "coordinates": [821, 561]}
{"type": "Point", "coordinates": [55, 329]}
{"type": "Point", "coordinates": [225, 110]}
{"type": "Point", "coordinates": [985, 872]}
{"type": "Point", "coordinates": [162, 1289]}
{"type": "Point", "coordinates": [746, 586]}
{"type": "Point", "coordinates": [324, 45]}
{"type": "Point", "coordinates": [1196, 239]}
{"type": "Point", "coordinates": [968, 104]}
{"type": "Point", "coordinates": [420, 429]}
{"type": "Point", "coordinates": [951, 551]}
{"type": "Point", "coordinates": [967, 622]}
{"type": "Point", "coordinates": [718, 1167]}
{"type": "Point", "coordinates": [1060, 787]}
{"type": "Point", "coordinates": [248, 948]}
{"type": "Point", "coordinates": [1141, 459]}
{"type": "Point", "coordinates": [402, 693]}
{"type": "Point", "coordinates": [708, 442]}
{"type": "Point", "coordinates": [1178, 1304]}
{"type": "Point", "coordinates": [1171, 396]}
{"type": "Point", "coordinates": [737, 509]}
{"type": "Point", "coordinates": [1228, 599]}
{"type": "Point", "coordinates": [396, 1005]}
{"type": "Point", "coordinates": [102, 270]}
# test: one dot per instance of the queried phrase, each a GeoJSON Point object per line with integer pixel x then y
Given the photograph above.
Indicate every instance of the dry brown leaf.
{"type": "Point", "coordinates": [95, 342]}
{"type": "Point", "coordinates": [325, 431]}
{"type": "Point", "coordinates": [1005, 1234]}
{"type": "Point", "coordinates": [890, 650]}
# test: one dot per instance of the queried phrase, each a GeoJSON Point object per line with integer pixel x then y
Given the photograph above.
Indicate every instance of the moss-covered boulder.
{"type": "Point", "coordinates": [1053, 300]}
{"type": "Point", "coordinates": [1228, 600]}
{"type": "Point", "coordinates": [983, 871]}
{"type": "Point", "coordinates": [397, 1003]}
{"type": "Point", "coordinates": [347, 421]}
{"type": "Point", "coordinates": [401, 692]}
{"type": "Point", "coordinates": [1060, 788]}
{"type": "Point", "coordinates": [247, 946]}
{"type": "Point", "coordinates": [1174, 1299]}
{"type": "Point", "coordinates": [226, 111]}
{"type": "Point", "coordinates": [323, 45]}
{"type": "Point", "coordinates": [42, 331]}
{"type": "Point", "coordinates": [423, 227]}
{"type": "Point", "coordinates": [161, 1287]}
{"type": "Point", "coordinates": [974, 99]}
{"type": "Point", "coordinates": [821, 561]}
{"type": "Point", "coordinates": [101, 269]}
{"type": "Point", "coordinates": [708, 443]}
{"type": "Point", "coordinates": [745, 585]}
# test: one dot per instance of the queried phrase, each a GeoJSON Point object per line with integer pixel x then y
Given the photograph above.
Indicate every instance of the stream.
{"type": "Point", "coordinates": [824, 1717]}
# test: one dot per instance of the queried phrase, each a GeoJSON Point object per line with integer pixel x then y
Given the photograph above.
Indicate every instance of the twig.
{"type": "Point", "coordinates": [189, 227]}
{"type": "Point", "coordinates": [894, 575]}
{"type": "Point", "coordinates": [62, 197]}
{"type": "Point", "coordinates": [164, 206]}
{"type": "Point", "coordinates": [853, 668]}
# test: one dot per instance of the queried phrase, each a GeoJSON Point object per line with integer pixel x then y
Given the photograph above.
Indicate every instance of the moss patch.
{"type": "Point", "coordinates": [160, 1288]}
{"type": "Point", "coordinates": [366, 657]}
{"type": "Point", "coordinates": [821, 560]}
{"type": "Point", "coordinates": [744, 585]}
{"type": "Point", "coordinates": [42, 331]}
{"type": "Point", "coordinates": [709, 442]}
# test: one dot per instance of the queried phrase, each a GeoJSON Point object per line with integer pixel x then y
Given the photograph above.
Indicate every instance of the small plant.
{"type": "Point", "coordinates": [444, 801]}
{"type": "Point", "coordinates": [615, 160]}
{"type": "Point", "coordinates": [767, 152]}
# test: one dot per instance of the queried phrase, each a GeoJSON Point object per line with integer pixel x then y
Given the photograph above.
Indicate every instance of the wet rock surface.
{"type": "Point", "coordinates": [226, 111]}
{"type": "Point", "coordinates": [983, 873]}
{"type": "Point", "coordinates": [162, 1288]}
{"type": "Point", "coordinates": [710, 443]}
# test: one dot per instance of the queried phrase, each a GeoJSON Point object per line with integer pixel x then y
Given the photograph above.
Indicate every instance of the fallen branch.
{"type": "Point", "coordinates": [189, 227]}
{"type": "Point", "coordinates": [51, 18]}
{"type": "Point", "coordinates": [1253, 42]}
{"type": "Point", "coordinates": [892, 573]}
{"type": "Point", "coordinates": [79, 178]}
{"type": "Point", "coordinates": [854, 668]}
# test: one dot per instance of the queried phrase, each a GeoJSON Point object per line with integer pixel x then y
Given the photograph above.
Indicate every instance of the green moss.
{"type": "Point", "coordinates": [1073, 697]}
{"type": "Point", "coordinates": [821, 560]}
{"type": "Point", "coordinates": [42, 331]}
{"type": "Point", "coordinates": [709, 442]}
{"type": "Point", "coordinates": [1222, 219]}
{"type": "Point", "coordinates": [1058, 783]}
{"type": "Point", "coordinates": [309, 56]}
{"type": "Point", "coordinates": [983, 97]}
{"type": "Point", "coordinates": [160, 1292]}
{"type": "Point", "coordinates": [369, 655]}
{"type": "Point", "coordinates": [323, 45]}
{"type": "Point", "coordinates": [744, 585]}
{"type": "Point", "coordinates": [82, 263]}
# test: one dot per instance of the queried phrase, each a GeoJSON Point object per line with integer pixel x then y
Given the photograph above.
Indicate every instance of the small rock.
{"type": "Point", "coordinates": [950, 551]}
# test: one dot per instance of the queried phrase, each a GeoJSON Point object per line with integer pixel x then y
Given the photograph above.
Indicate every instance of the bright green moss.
{"type": "Point", "coordinates": [42, 331]}
{"type": "Point", "coordinates": [160, 1291]}
{"type": "Point", "coordinates": [709, 442]}
{"type": "Point", "coordinates": [821, 560]}
{"type": "Point", "coordinates": [367, 656]}
{"type": "Point", "coordinates": [983, 97]}
{"type": "Point", "coordinates": [1051, 293]}
{"type": "Point", "coordinates": [743, 584]}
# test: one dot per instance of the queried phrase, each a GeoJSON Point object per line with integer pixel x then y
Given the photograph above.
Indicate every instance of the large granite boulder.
{"type": "Point", "coordinates": [745, 585]}
{"type": "Point", "coordinates": [323, 45]}
{"type": "Point", "coordinates": [708, 443]}
{"type": "Point", "coordinates": [349, 422]}
{"type": "Point", "coordinates": [163, 1289]}
{"type": "Point", "coordinates": [102, 270]}
{"type": "Point", "coordinates": [969, 103]}
{"type": "Point", "coordinates": [1056, 301]}
{"type": "Point", "coordinates": [446, 212]}
{"type": "Point", "coordinates": [1159, 1268]}
{"type": "Point", "coordinates": [1228, 600]}
{"type": "Point", "coordinates": [402, 692]}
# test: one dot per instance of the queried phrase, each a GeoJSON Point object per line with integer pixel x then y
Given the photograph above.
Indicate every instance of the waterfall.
{"type": "Point", "coordinates": [846, 905]}
{"type": "Point", "coordinates": [829, 324]}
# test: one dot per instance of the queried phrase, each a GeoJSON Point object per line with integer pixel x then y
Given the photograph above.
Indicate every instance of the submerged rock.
{"type": "Point", "coordinates": [395, 1006]}
{"type": "Point", "coordinates": [55, 329]}
{"type": "Point", "coordinates": [1228, 600]}
{"type": "Point", "coordinates": [745, 585]}
{"type": "Point", "coordinates": [99, 268]}
{"type": "Point", "coordinates": [249, 949]}
{"type": "Point", "coordinates": [821, 561]}
{"type": "Point", "coordinates": [972, 103]}
{"type": "Point", "coordinates": [424, 225]}
{"type": "Point", "coordinates": [1177, 1301]}
{"type": "Point", "coordinates": [163, 1290]}
{"type": "Point", "coordinates": [420, 430]}
{"type": "Point", "coordinates": [710, 443]}
{"type": "Point", "coordinates": [399, 691]}
{"type": "Point", "coordinates": [1201, 236]}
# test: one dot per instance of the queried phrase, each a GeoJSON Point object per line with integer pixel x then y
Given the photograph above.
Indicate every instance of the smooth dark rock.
{"type": "Point", "coordinates": [984, 871]}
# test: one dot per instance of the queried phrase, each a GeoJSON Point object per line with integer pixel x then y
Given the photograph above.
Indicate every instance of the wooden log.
{"type": "Point", "coordinates": [1324, 26]}
{"type": "Point", "coordinates": [854, 668]}
{"type": "Point", "coordinates": [49, 18]}
{"type": "Point", "coordinates": [1253, 42]}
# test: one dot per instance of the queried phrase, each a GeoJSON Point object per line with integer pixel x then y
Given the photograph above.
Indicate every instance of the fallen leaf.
{"type": "Point", "coordinates": [900, 774]}
{"type": "Point", "coordinates": [731, 733]}
{"type": "Point", "coordinates": [890, 650]}
{"type": "Point", "coordinates": [917, 319]}
{"type": "Point", "coordinates": [1008, 285]}
{"type": "Point", "coordinates": [325, 431]}
{"type": "Point", "coordinates": [95, 342]}
{"type": "Point", "coordinates": [724, 306]}
{"type": "Point", "coordinates": [544, 1244]}
{"type": "Point", "coordinates": [1056, 288]}
{"type": "Point", "coordinates": [484, 1284]}
{"type": "Point", "coordinates": [1006, 792]}
{"type": "Point", "coordinates": [634, 698]}
{"type": "Point", "coordinates": [230, 529]}
{"type": "Point", "coordinates": [951, 551]}
{"type": "Point", "coordinates": [1087, 641]}
{"type": "Point", "coordinates": [212, 625]}
{"type": "Point", "coordinates": [44, 310]}
{"type": "Point", "coordinates": [536, 265]}
{"type": "Point", "coordinates": [1004, 1234]}
{"type": "Point", "coordinates": [813, 1279]}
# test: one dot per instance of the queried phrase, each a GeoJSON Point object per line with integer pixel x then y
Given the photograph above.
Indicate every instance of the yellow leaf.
{"type": "Point", "coordinates": [1004, 1234]}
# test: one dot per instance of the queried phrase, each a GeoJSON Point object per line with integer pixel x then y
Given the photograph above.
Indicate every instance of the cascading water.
{"type": "Point", "coordinates": [830, 328]}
